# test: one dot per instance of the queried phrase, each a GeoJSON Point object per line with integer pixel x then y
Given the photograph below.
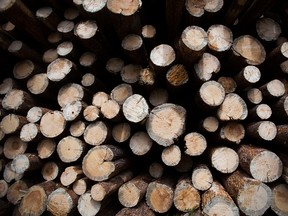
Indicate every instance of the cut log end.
{"type": "Point", "coordinates": [233, 132]}
{"type": "Point", "coordinates": [88, 206]}
{"type": "Point", "coordinates": [162, 55]}
{"type": "Point", "coordinates": [279, 199]}
{"type": "Point", "coordinates": [70, 149]}
{"type": "Point", "coordinates": [58, 69]}
{"type": "Point", "coordinates": [52, 124]}
{"type": "Point", "coordinates": [156, 170]}
{"type": "Point", "coordinates": [140, 143]}
{"type": "Point", "coordinates": [194, 37]}
{"type": "Point", "coordinates": [210, 124]}
{"type": "Point", "coordinates": [212, 93]}
{"type": "Point", "coordinates": [171, 155]}
{"type": "Point", "coordinates": [124, 8]}
{"type": "Point", "coordinates": [225, 160]}
{"type": "Point", "coordinates": [220, 38]}
{"type": "Point", "coordinates": [135, 108]}
{"type": "Point", "coordinates": [195, 144]}
{"type": "Point", "coordinates": [202, 178]}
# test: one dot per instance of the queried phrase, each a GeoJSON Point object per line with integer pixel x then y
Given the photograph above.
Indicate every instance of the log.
{"type": "Point", "coordinates": [62, 201]}
{"type": "Point", "coordinates": [80, 186]}
{"type": "Point", "coordinates": [195, 144]}
{"type": "Point", "coordinates": [268, 29]}
{"type": "Point", "coordinates": [30, 132]}
{"type": "Point", "coordinates": [12, 124]}
{"type": "Point", "coordinates": [121, 132]}
{"type": "Point", "coordinates": [88, 206]}
{"type": "Point", "coordinates": [254, 96]}
{"type": "Point", "coordinates": [46, 148]}
{"type": "Point", "coordinates": [223, 159]}
{"type": "Point", "coordinates": [70, 149]}
{"type": "Point", "coordinates": [17, 191]}
{"type": "Point", "coordinates": [77, 128]}
{"type": "Point", "coordinates": [26, 162]}
{"type": "Point", "coordinates": [228, 84]}
{"type": "Point", "coordinates": [216, 201]}
{"type": "Point", "coordinates": [147, 78]}
{"type": "Point", "coordinates": [54, 38]}
{"type": "Point", "coordinates": [96, 133]}
{"type": "Point", "coordinates": [159, 195]}
{"type": "Point", "coordinates": [232, 132]}
{"type": "Point", "coordinates": [25, 69]}
{"type": "Point", "coordinates": [14, 146]}
{"type": "Point", "coordinates": [3, 188]}
{"type": "Point", "coordinates": [88, 59]}
{"type": "Point", "coordinates": [66, 27]}
{"type": "Point", "coordinates": [132, 192]}
{"type": "Point", "coordinates": [252, 196]}
{"type": "Point", "coordinates": [247, 76]}
{"type": "Point", "coordinates": [99, 99]}
{"type": "Point", "coordinates": [166, 123]}
{"type": "Point", "coordinates": [201, 177]}
{"type": "Point", "coordinates": [279, 199]}
{"type": "Point", "coordinates": [34, 114]}
{"type": "Point", "coordinates": [35, 200]}
{"type": "Point", "coordinates": [104, 189]}
{"type": "Point", "coordinates": [70, 175]}
{"type": "Point", "coordinates": [121, 92]}
{"type": "Point", "coordinates": [52, 124]}
{"type": "Point", "coordinates": [158, 96]}
{"type": "Point", "coordinates": [111, 110]}
{"type": "Point", "coordinates": [273, 89]}
{"type": "Point", "coordinates": [73, 111]}
{"type": "Point", "coordinates": [156, 170]}
{"type": "Point", "coordinates": [177, 76]}
{"type": "Point", "coordinates": [130, 73]}
{"type": "Point", "coordinates": [279, 108]}
{"type": "Point", "coordinates": [7, 85]}
{"type": "Point", "coordinates": [171, 155]}
{"type": "Point", "coordinates": [10, 175]}
{"type": "Point", "coordinates": [91, 113]}
{"type": "Point", "coordinates": [48, 17]}
{"type": "Point", "coordinates": [260, 112]}
{"type": "Point", "coordinates": [262, 130]}
{"type": "Point", "coordinates": [50, 171]}
{"type": "Point", "coordinates": [135, 108]}
{"type": "Point", "coordinates": [140, 209]}
{"type": "Point", "coordinates": [114, 65]}
{"type": "Point", "coordinates": [232, 108]}
{"type": "Point", "coordinates": [60, 69]}
{"type": "Point", "coordinates": [68, 50]}
{"type": "Point", "coordinates": [103, 167]}
{"type": "Point", "coordinates": [140, 143]}
{"type": "Point", "coordinates": [149, 35]}
{"type": "Point", "coordinates": [209, 124]}
{"type": "Point", "coordinates": [260, 163]}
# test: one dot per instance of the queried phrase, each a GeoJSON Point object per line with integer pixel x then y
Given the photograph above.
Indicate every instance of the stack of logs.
{"type": "Point", "coordinates": [123, 107]}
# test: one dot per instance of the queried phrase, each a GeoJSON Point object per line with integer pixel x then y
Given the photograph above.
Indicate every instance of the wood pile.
{"type": "Point", "coordinates": [160, 107]}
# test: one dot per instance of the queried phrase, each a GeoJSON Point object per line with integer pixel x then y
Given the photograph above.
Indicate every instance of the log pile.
{"type": "Point", "coordinates": [116, 107]}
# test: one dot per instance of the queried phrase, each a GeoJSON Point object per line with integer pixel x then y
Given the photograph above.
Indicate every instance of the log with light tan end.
{"type": "Point", "coordinates": [279, 108]}
{"type": "Point", "coordinates": [121, 92]}
{"type": "Point", "coordinates": [62, 201]}
{"type": "Point", "coordinates": [232, 132]}
{"type": "Point", "coordinates": [60, 70]}
{"type": "Point", "coordinates": [70, 149]}
{"type": "Point", "coordinates": [7, 85]}
{"type": "Point", "coordinates": [96, 133]}
{"type": "Point", "coordinates": [80, 186]}
{"type": "Point", "coordinates": [35, 200]}
{"type": "Point", "coordinates": [26, 162]}
{"type": "Point", "coordinates": [121, 132]}
{"type": "Point", "coordinates": [160, 193]}
{"type": "Point", "coordinates": [77, 128]}
{"type": "Point", "coordinates": [35, 114]}
{"type": "Point", "coordinates": [140, 209]}
{"type": "Point", "coordinates": [158, 96]}
{"type": "Point", "coordinates": [201, 177]}
{"type": "Point", "coordinates": [171, 155]}
{"type": "Point", "coordinates": [268, 29]}
{"type": "Point", "coordinates": [273, 89]}
{"type": "Point", "coordinates": [252, 196]}
{"type": "Point", "coordinates": [68, 50]}
{"type": "Point", "coordinates": [135, 108]}
{"type": "Point", "coordinates": [25, 69]}
{"type": "Point", "coordinates": [18, 101]}
{"type": "Point", "coordinates": [12, 124]}
{"type": "Point", "coordinates": [149, 35]}
{"type": "Point", "coordinates": [280, 199]}
{"type": "Point", "coordinates": [111, 110]}
{"type": "Point", "coordinates": [132, 192]}
{"type": "Point", "coordinates": [147, 78]}
{"type": "Point", "coordinates": [88, 59]}
{"type": "Point", "coordinates": [161, 57]}
{"type": "Point", "coordinates": [248, 76]}
{"type": "Point", "coordinates": [177, 76]}
{"type": "Point", "coordinates": [223, 159]}
{"type": "Point", "coordinates": [70, 175]}
{"type": "Point", "coordinates": [17, 191]}
{"type": "Point", "coordinates": [87, 206]}
{"type": "Point", "coordinates": [114, 65]}
{"type": "Point", "coordinates": [49, 55]}
{"type": "Point", "coordinates": [99, 99]}
{"type": "Point", "coordinates": [232, 108]}
{"type": "Point", "coordinates": [195, 144]}
{"type": "Point", "coordinates": [3, 188]}
{"type": "Point", "coordinates": [65, 28]}
{"type": "Point", "coordinates": [216, 201]}
{"type": "Point", "coordinates": [104, 161]}
{"type": "Point", "coordinates": [207, 66]}
{"type": "Point", "coordinates": [30, 132]}
{"type": "Point", "coordinates": [262, 130]}
{"type": "Point", "coordinates": [140, 143]}
{"type": "Point", "coordinates": [51, 170]}
{"type": "Point", "coordinates": [156, 170]}
{"type": "Point", "coordinates": [192, 44]}
{"type": "Point", "coordinates": [260, 112]}
{"type": "Point", "coordinates": [228, 84]}
{"type": "Point", "coordinates": [73, 111]}
{"type": "Point", "coordinates": [260, 163]}
{"type": "Point", "coordinates": [48, 17]}
{"type": "Point", "coordinates": [9, 174]}
{"type": "Point", "coordinates": [130, 73]}
{"type": "Point", "coordinates": [195, 10]}
{"type": "Point", "coordinates": [52, 124]}
{"type": "Point", "coordinates": [186, 197]}
{"type": "Point", "coordinates": [91, 113]}
{"type": "Point", "coordinates": [46, 148]}
{"type": "Point", "coordinates": [14, 146]}
{"type": "Point", "coordinates": [209, 124]}
{"type": "Point", "coordinates": [166, 123]}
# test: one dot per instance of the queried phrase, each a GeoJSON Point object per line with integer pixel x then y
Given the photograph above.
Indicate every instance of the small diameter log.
{"type": "Point", "coordinates": [12, 124]}
{"type": "Point", "coordinates": [284, 160]}
{"type": "Point", "coordinates": [260, 163]}
{"type": "Point", "coordinates": [130, 73]}
{"type": "Point", "coordinates": [60, 69]}
{"type": "Point", "coordinates": [48, 17]}
{"type": "Point", "coordinates": [18, 100]}
{"type": "Point", "coordinates": [192, 44]}
{"type": "Point", "coordinates": [232, 132]}
{"type": "Point", "coordinates": [46, 148]}
{"type": "Point", "coordinates": [140, 209]}
{"type": "Point", "coordinates": [147, 78]}
{"type": "Point", "coordinates": [50, 55]}
{"type": "Point", "coordinates": [209, 124]}
{"type": "Point", "coordinates": [77, 128]}
{"type": "Point", "coordinates": [70, 175]}
{"type": "Point", "coordinates": [99, 99]}
{"type": "Point", "coordinates": [279, 199]}
{"type": "Point", "coordinates": [10, 175]}
{"type": "Point", "coordinates": [268, 29]}
{"type": "Point", "coordinates": [52, 124]}
{"type": "Point", "coordinates": [273, 89]}
{"type": "Point", "coordinates": [54, 38]}
{"type": "Point", "coordinates": [135, 108]}
{"type": "Point", "coordinates": [91, 113]}
{"type": "Point", "coordinates": [111, 110]}
{"type": "Point", "coordinates": [260, 112]}
{"type": "Point", "coordinates": [149, 35]}
{"type": "Point", "coordinates": [277, 56]}
{"type": "Point", "coordinates": [25, 69]}
{"type": "Point", "coordinates": [14, 146]}
{"type": "Point", "coordinates": [171, 155]}
{"type": "Point", "coordinates": [50, 171]}
{"type": "Point", "coordinates": [102, 190]}
{"type": "Point", "coordinates": [195, 144]}
{"type": "Point", "coordinates": [252, 196]}
{"type": "Point", "coordinates": [232, 108]}
{"type": "Point", "coordinates": [97, 164]}
{"type": "Point", "coordinates": [216, 201]}
{"type": "Point", "coordinates": [80, 186]}
{"type": "Point", "coordinates": [30, 132]}
{"type": "Point", "coordinates": [70, 149]}
{"type": "Point", "coordinates": [88, 59]}
{"type": "Point", "coordinates": [282, 135]}
{"type": "Point", "coordinates": [39, 85]}
{"type": "Point", "coordinates": [35, 200]}
{"type": "Point", "coordinates": [201, 177]}
{"type": "Point", "coordinates": [7, 85]}
{"type": "Point", "coordinates": [185, 164]}
{"type": "Point", "coordinates": [159, 195]}
{"type": "Point", "coordinates": [121, 92]}
{"type": "Point", "coordinates": [3, 188]}
{"type": "Point", "coordinates": [62, 202]}
{"type": "Point", "coordinates": [279, 108]}
{"type": "Point", "coordinates": [114, 65]}
{"type": "Point", "coordinates": [68, 50]}
{"type": "Point", "coordinates": [121, 132]}
{"type": "Point", "coordinates": [17, 190]}
{"type": "Point", "coordinates": [228, 84]}
{"type": "Point", "coordinates": [66, 28]}
{"type": "Point", "coordinates": [96, 133]}
{"type": "Point", "coordinates": [140, 143]}
{"type": "Point", "coordinates": [73, 111]}
{"type": "Point", "coordinates": [223, 159]}
{"type": "Point", "coordinates": [161, 57]}
{"type": "Point", "coordinates": [166, 123]}
{"type": "Point", "coordinates": [71, 13]}
{"type": "Point", "coordinates": [26, 162]}
{"type": "Point", "coordinates": [247, 76]}
{"type": "Point", "coordinates": [132, 192]}
{"type": "Point", "coordinates": [87, 206]}
{"type": "Point", "coordinates": [34, 114]}
{"type": "Point", "coordinates": [262, 130]}
{"type": "Point", "coordinates": [254, 96]}
{"type": "Point", "coordinates": [177, 76]}
{"type": "Point", "coordinates": [156, 170]}
{"type": "Point", "coordinates": [206, 67]}
{"type": "Point", "coordinates": [158, 96]}
{"type": "Point", "coordinates": [186, 197]}
{"type": "Point", "coordinates": [134, 48]}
